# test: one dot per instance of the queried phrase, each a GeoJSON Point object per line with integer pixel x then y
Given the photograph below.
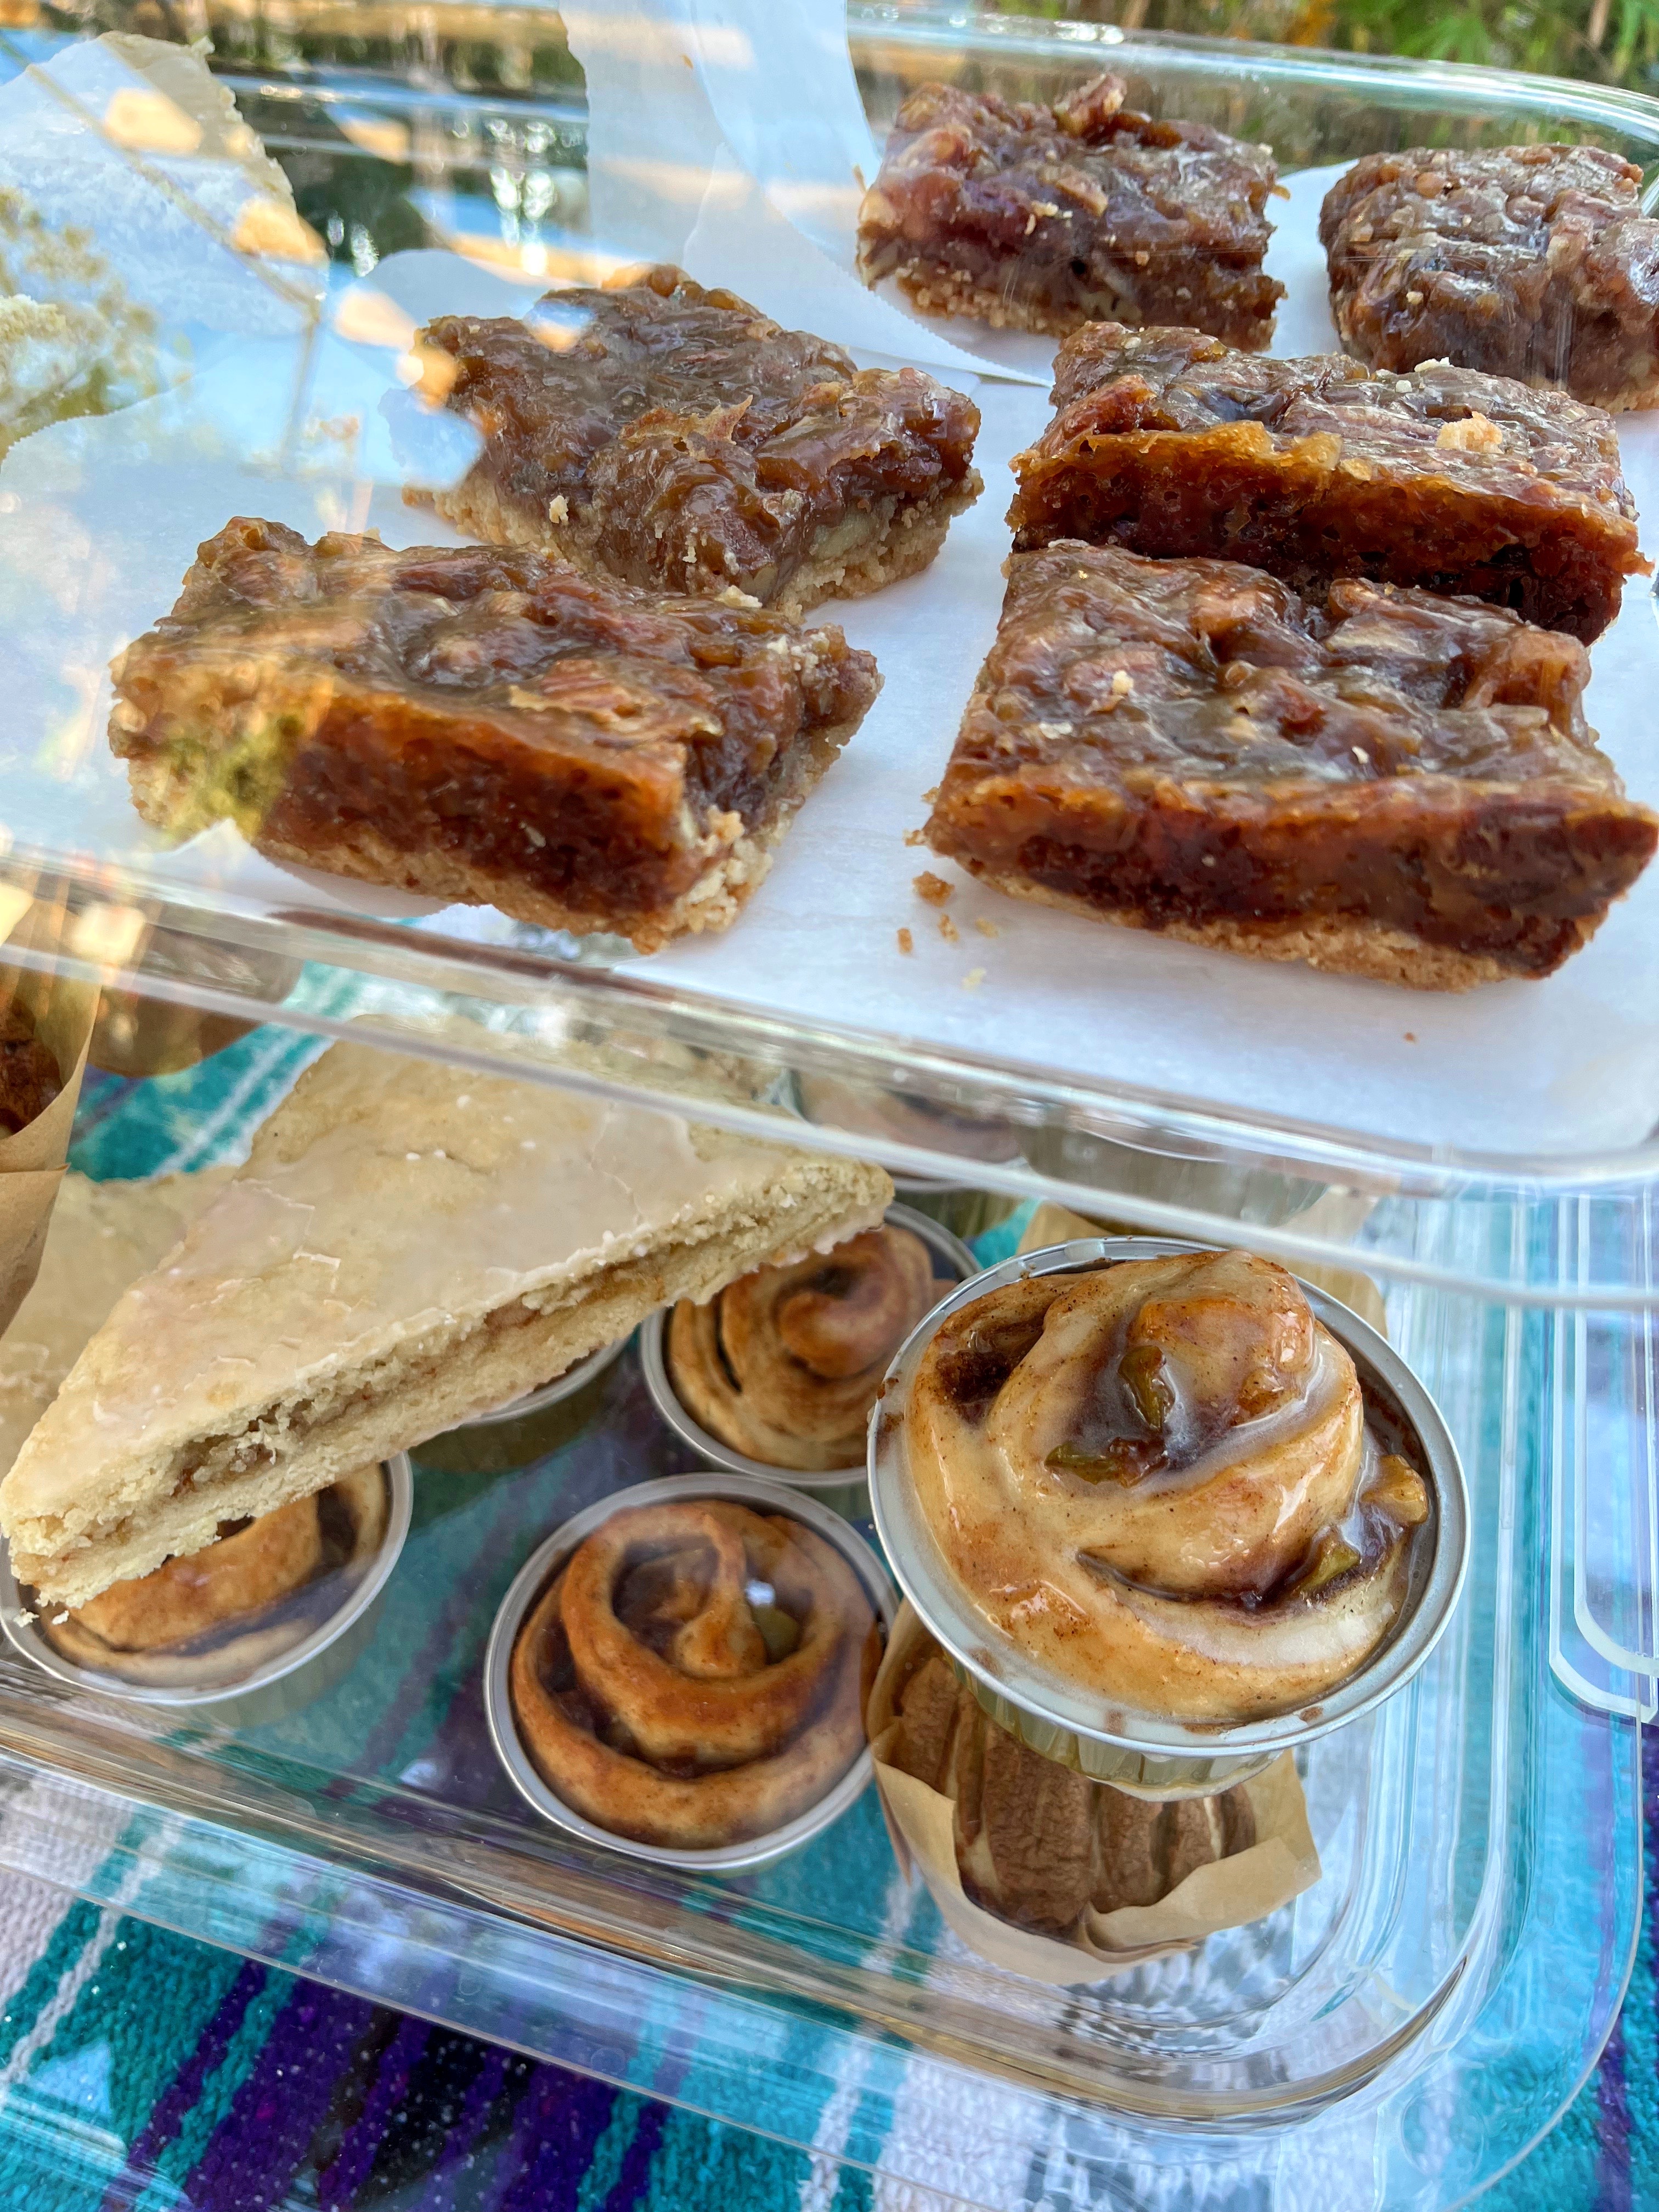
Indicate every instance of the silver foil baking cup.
{"type": "Point", "coordinates": [550, 1393]}
{"type": "Point", "coordinates": [957, 1260]}
{"type": "Point", "coordinates": [278, 1677]}
{"type": "Point", "coordinates": [763, 1495]}
{"type": "Point", "coordinates": [1141, 1751]}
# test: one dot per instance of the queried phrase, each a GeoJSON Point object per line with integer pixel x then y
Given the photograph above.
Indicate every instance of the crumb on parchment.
{"type": "Point", "coordinates": [915, 836]}
{"type": "Point", "coordinates": [985, 928]}
{"type": "Point", "coordinates": [948, 930]}
{"type": "Point", "coordinates": [932, 887]}
{"type": "Point", "coordinates": [907, 943]}
{"type": "Point", "coordinates": [973, 979]}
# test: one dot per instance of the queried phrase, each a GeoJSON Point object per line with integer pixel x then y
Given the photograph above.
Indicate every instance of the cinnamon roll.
{"type": "Point", "coordinates": [785, 1364]}
{"type": "Point", "coordinates": [1036, 1842]}
{"type": "Point", "coordinates": [695, 1673]}
{"type": "Point", "coordinates": [1157, 1481]}
{"type": "Point", "coordinates": [251, 1568]}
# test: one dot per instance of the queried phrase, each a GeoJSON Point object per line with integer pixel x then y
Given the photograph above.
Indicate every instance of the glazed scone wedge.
{"type": "Point", "coordinates": [406, 1246]}
{"type": "Point", "coordinates": [103, 1237]}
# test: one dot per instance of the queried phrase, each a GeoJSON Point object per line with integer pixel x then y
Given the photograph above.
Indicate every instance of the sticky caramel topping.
{"type": "Point", "coordinates": [1192, 743]}
{"type": "Point", "coordinates": [1177, 446]}
{"type": "Point", "coordinates": [687, 440]}
{"type": "Point", "coordinates": [1534, 262]}
{"type": "Point", "coordinates": [1045, 216]}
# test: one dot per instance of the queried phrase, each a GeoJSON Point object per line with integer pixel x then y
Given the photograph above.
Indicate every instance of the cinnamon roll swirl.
{"type": "Point", "coordinates": [695, 1673]}
{"type": "Point", "coordinates": [251, 1567]}
{"type": "Point", "coordinates": [1157, 1480]}
{"type": "Point", "coordinates": [785, 1364]}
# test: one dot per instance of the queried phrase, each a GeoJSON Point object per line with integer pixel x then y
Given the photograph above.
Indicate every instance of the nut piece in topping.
{"type": "Point", "coordinates": [1398, 785]}
{"type": "Point", "coordinates": [1042, 218]}
{"type": "Point", "coordinates": [678, 438]}
{"type": "Point", "coordinates": [1534, 262]}
{"type": "Point", "coordinates": [1173, 445]}
{"type": "Point", "coordinates": [483, 725]}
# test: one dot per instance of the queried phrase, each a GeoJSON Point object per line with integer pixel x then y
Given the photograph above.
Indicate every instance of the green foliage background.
{"type": "Point", "coordinates": [1610, 41]}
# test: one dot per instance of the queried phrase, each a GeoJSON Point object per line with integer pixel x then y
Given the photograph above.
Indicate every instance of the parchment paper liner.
{"type": "Point", "coordinates": [1279, 1865]}
{"type": "Point", "coordinates": [31, 1160]}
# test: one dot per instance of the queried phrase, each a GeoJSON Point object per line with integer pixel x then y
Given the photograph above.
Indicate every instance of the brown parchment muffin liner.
{"type": "Point", "coordinates": [1279, 1865]}
{"type": "Point", "coordinates": [32, 1159]}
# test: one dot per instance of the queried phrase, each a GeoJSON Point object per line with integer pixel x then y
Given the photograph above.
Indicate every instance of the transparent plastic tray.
{"type": "Point", "coordinates": [1144, 1079]}
{"type": "Point", "coordinates": [1403, 2031]}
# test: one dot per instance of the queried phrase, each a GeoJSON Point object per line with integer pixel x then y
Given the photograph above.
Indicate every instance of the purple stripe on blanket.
{"type": "Point", "coordinates": [634, 2177]}
{"type": "Point", "coordinates": [453, 2163]}
{"type": "Point", "coordinates": [559, 2119]}
{"type": "Point", "coordinates": [173, 2106]}
{"type": "Point", "coordinates": [353, 2162]}
{"type": "Point", "coordinates": [257, 2148]}
{"type": "Point", "coordinates": [1612, 2177]}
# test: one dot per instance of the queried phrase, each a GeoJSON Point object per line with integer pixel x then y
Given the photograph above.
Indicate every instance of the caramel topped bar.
{"type": "Point", "coordinates": [1397, 786]}
{"type": "Point", "coordinates": [678, 438]}
{"type": "Point", "coordinates": [1040, 218]}
{"type": "Point", "coordinates": [1534, 262]}
{"type": "Point", "coordinates": [485, 725]}
{"type": "Point", "coordinates": [1173, 445]}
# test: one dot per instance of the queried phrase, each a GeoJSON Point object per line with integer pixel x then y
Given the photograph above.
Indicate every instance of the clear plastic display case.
{"type": "Point", "coordinates": [1400, 2032]}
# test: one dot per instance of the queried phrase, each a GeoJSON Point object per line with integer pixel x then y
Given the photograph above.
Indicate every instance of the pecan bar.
{"type": "Point", "coordinates": [485, 725]}
{"type": "Point", "coordinates": [677, 438]}
{"type": "Point", "coordinates": [1534, 262]}
{"type": "Point", "coordinates": [1397, 786]}
{"type": "Point", "coordinates": [1040, 218]}
{"type": "Point", "coordinates": [1446, 480]}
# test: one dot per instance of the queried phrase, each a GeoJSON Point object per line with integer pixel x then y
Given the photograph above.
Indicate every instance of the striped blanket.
{"type": "Point", "coordinates": [140, 2069]}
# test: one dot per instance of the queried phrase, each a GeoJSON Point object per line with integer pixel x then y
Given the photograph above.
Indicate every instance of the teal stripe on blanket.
{"type": "Point", "coordinates": [71, 1937]}
{"type": "Point", "coordinates": [188, 1983]}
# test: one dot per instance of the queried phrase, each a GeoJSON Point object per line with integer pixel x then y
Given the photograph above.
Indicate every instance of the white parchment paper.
{"type": "Point", "coordinates": [127, 145]}
{"type": "Point", "coordinates": [729, 136]}
{"type": "Point", "coordinates": [98, 520]}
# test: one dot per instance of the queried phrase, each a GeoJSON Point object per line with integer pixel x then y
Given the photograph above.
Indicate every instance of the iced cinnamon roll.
{"type": "Point", "coordinates": [785, 1364]}
{"type": "Point", "coordinates": [235, 1582]}
{"type": "Point", "coordinates": [1157, 1481]}
{"type": "Point", "coordinates": [696, 1674]}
